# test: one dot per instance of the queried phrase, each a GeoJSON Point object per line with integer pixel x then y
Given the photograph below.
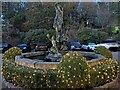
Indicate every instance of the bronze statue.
{"type": "Point", "coordinates": [54, 48]}
{"type": "Point", "coordinates": [58, 21]}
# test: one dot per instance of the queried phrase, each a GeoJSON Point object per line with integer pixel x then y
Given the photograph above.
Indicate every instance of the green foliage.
{"type": "Point", "coordinates": [11, 53]}
{"type": "Point", "coordinates": [22, 36]}
{"type": "Point", "coordinates": [40, 15]}
{"type": "Point", "coordinates": [88, 35]}
{"type": "Point", "coordinates": [116, 37]}
{"type": "Point", "coordinates": [52, 78]}
{"type": "Point", "coordinates": [115, 29]}
{"type": "Point", "coordinates": [74, 71]}
{"type": "Point", "coordinates": [8, 15]}
{"type": "Point", "coordinates": [104, 72]}
{"type": "Point", "coordinates": [17, 19]}
{"type": "Point", "coordinates": [35, 36]}
{"type": "Point", "coordinates": [28, 77]}
{"type": "Point", "coordinates": [103, 51]}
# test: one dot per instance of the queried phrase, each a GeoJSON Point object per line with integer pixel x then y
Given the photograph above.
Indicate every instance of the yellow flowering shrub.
{"type": "Point", "coordinates": [104, 72]}
{"type": "Point", "coordinates": [11, 53]}
{"type": "Point", "coordinates": [74, 71]}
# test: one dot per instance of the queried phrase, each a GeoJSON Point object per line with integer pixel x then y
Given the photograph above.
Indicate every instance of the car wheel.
{"type": "Point", "coordinates": [88, 49]}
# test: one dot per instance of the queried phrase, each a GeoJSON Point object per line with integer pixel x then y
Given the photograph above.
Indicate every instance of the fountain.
{"type": "Point", "coordinates": [51, 59]}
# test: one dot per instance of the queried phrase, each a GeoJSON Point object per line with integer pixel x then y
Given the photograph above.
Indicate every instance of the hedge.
{"type": "Point", "coordinates": [74, 70]}
{"type": "Point", "coordinates": [11, 53]}
{"type": "Point", "coordinates": [28, 77]}
{"type": "Point", "coordinates": [92, 76]}
{"type": "Point", "coordinates": [103, 72]}
{"type": "Point", "coordinates": [103, 51]}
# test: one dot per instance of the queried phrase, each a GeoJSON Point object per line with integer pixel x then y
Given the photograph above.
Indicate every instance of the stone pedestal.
{"type": "Point", "coordinates": [54, 57]}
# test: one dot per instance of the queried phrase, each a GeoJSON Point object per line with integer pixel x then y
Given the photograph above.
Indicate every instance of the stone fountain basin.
{"type": "Point", "coordinates": [40, 64]}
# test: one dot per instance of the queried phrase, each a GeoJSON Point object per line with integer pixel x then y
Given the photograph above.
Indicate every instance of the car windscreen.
{"type": "Point", "coordinates": [75, 43]}
{"type": "Point", "coordinates": [22, 45]}
{"type": "Point", "coordinates": [91, 44]}
{"type": "Point", "coordinates": [0, 45]}
{"type": "Point", "coordinates": [41, 44]}
{"type": "Point", "coordinates": [118, 42]}
{"type": "Point", "coordinates": [4, 45]}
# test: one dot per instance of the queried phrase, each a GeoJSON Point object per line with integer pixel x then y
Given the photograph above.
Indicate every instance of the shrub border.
{"type": "Point", "coordinates": [27, 67]}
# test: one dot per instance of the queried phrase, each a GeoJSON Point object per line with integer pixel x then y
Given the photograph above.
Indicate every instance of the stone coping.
{"type": "Point", "coordinates": [30, 54]}
{"type": "Point", "coordinates": [96, 57]}
{"type": "Point", "coordinates": [109, 86]}
{"type": "Point", "coordinates": [35, 63]}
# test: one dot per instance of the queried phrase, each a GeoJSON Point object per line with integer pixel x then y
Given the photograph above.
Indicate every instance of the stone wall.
{"type": "Point", "coordinates": [34, 63]}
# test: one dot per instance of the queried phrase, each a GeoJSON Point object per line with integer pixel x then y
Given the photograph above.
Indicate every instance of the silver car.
{"type": "Point", "coordinates": [111, 45]}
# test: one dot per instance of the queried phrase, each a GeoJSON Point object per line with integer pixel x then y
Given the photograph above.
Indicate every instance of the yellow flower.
{"type": "Point", "coordinates": [68, 54]}
{"type": "Point", "coordinates": [69, 66]}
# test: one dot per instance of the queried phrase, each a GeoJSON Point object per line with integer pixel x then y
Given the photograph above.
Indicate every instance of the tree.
{"type": "Point", "coordinates": [87, 12]}
{"type": "Point", "coordinates": [103, 17]}
{"type": "Point", "coordinates": [10, 34]}
{"type": "Point", "coordinates": [35, 36]}
{"type": "Point", "coordinates": [40, 15]}
{"type": "Point", "coordinates": [14, 13]}
{"type": "Point", "coordinates": [88, 35]}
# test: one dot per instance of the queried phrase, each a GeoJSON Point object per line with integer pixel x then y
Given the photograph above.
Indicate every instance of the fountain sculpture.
{"type": "Point", "coordinates": [58, 41]}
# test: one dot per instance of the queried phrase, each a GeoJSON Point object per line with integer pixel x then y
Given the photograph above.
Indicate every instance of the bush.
{"type": "Point", "coordinates": [35, 36]}
{"type": "Point", "coordinates": [22, 36]}
{"type": "Point", "coordinates": [74, 71]}
{"type": "Point", "coordinates": [11, 53]}
{"type": "Point", "coordinates": [103, 51]}
{"type": "Point", "coordinates": [89, 35]}
{"type": "Point", "coordinates": [116, 37]}
{"type": "Point", "coordinates": [29, 77]}
{"type": "Point", "coordinates": [104, 72]}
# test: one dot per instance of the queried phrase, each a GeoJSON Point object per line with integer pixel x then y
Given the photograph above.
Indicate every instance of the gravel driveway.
{"type": "Point", "coordinates": [116, 55]}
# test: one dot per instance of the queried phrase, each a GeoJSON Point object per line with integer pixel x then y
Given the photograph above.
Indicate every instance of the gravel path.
{"type": "Point", "coordinates": [116, 55]}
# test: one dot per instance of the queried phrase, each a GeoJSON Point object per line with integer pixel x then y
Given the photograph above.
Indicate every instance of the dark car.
{"type": "Point", "coordinates": [74, 45]}
{"type": "Point", "coordinates": [41, 46]}
{"type": "Point", "coordinates": [24, 47]}
{"type": "Point", "coordinates": [4, 47]}
{"type": "Point", "coordinates": [118, 45]}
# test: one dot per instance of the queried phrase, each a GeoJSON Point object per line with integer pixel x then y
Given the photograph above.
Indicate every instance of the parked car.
{"type": "Point", "coordinates": [118, 44]}
{"type": "Point", "coordinates": [74, 45]}
{"type": "Point", "coordinates": [4, 47]}
{"type": "Point", "coordinates": [41, 46]}
{"type": "Point", "coordinates": [89, 46]}
{"type": "Point", "coordinates": [111, 45]}
{"type": "Point", "coordinates": [24, 47]}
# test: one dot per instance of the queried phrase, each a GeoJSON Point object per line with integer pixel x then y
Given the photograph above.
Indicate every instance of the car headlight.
{"type": "Point", "coordinates": [24, 48]}
{"type": "Point", "coordinates": [72, 47]}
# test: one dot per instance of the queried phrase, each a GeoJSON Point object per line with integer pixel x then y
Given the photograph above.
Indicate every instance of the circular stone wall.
{"type": "Point", "coordinates": [34, 63]}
